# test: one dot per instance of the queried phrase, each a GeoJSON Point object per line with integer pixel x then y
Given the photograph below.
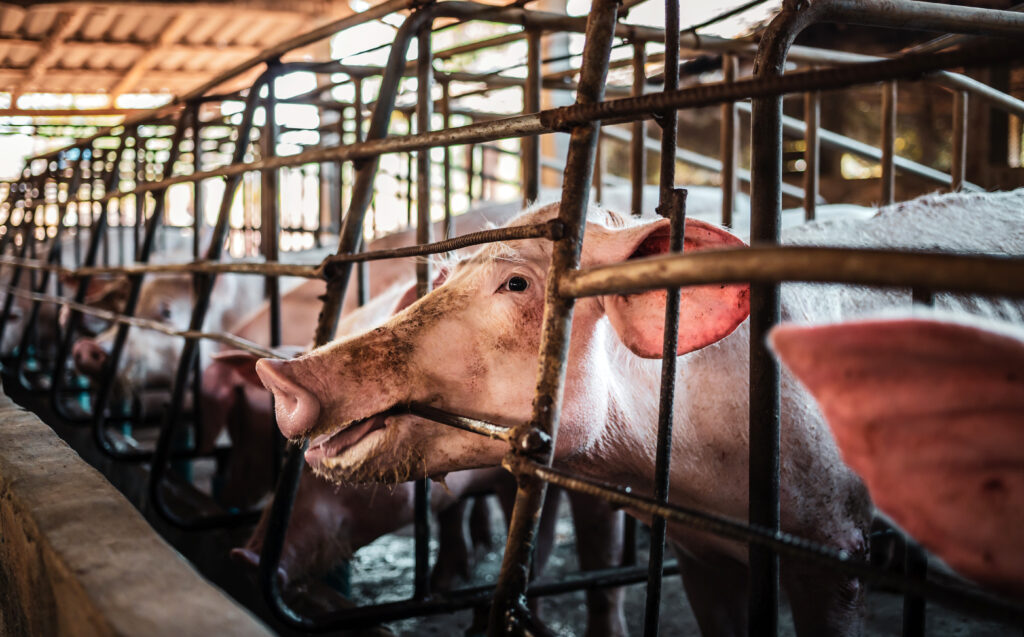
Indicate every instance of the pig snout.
{"type": "Point", "coordinates": [89, 356]}
{"type": "Point", "coordinates": [296, 408]}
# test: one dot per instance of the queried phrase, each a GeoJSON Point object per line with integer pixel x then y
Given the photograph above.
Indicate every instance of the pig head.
{"type": "Point", "coordinates": [471, 345]}
{"type": "Point", "coordinates": [931, 415]}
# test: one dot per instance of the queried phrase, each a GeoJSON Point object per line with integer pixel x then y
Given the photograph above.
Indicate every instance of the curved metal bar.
{"type": "Point", "coordinates": [190, 350]}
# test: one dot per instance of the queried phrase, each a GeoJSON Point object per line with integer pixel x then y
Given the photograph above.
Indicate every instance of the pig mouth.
{"type": "Point", "coordinates": [334, 444]}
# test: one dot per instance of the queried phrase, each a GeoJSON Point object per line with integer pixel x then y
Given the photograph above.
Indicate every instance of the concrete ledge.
{"type": "Point", "coordinates": [77, 559]}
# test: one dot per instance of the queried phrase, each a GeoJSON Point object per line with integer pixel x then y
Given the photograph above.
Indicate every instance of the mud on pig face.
{"type": "Point", "coordinates": [471, 346]}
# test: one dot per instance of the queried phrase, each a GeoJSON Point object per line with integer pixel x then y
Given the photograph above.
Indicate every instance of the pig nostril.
{"type": "Point", "coordinates": [297, 409]}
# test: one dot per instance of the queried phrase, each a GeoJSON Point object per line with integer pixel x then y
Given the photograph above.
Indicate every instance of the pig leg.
{"type": "Point", "coordinates": [480, 523]}
{"type": "Point", "coordinates": [600, 547]}
{"type": "Point", "coordinates": [453, 553]}
{"type": "Point", "coordinates": [823, 602]}
{"type": "Point", "coordinates": [716, 587]}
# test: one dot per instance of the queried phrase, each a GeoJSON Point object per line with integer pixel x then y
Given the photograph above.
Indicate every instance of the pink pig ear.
{"type": "Point", "coordinates": [931, 415]}
{"type": "Point", "coordinates": [707, 313]}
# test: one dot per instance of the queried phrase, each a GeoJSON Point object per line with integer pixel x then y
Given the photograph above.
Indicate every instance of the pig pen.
{"type": "Point", "coordinates": [150, 462]}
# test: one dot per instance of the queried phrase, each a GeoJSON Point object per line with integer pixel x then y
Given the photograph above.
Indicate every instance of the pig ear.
{"type": "Point", "coordinates": [410, 296]}
{"type": "Point", "coordinates": [929, 414]}
{"type": "Point", "coordinates": [242, 362]}
{"type": "Point", "coordinates": [707, 313]}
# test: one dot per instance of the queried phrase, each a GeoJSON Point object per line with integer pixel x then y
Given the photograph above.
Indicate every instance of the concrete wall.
{"type": "Point", "coordinates": [77, 559]}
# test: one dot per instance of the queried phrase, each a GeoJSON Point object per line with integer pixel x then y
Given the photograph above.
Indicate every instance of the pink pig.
{"type": "Point", "coordinates": [471, 347]}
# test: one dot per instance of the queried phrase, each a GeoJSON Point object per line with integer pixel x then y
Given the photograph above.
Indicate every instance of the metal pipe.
{"type": "Point", "coordinates": [996, 276]}
{"type": "Point", "coordinates": [269, 213]}
{"type": "Point", "coordinates": [190, 349]}
{"type": "Point", "coordinates": [729, 147]}
{"type": "Point", "coordinates": [637, 150]}
{"type": "Point", "coordinates": [764, 393]}
{"type": "Point", "coordinates": [554, 345]}
{"type": "Point", "coordinates": [424, 279]}
{"type": "Point", "coordinates": [446, 122]}
{"type": "Point", "coordinates": [531, 104]}
{"type": "Point", "coordinates": [812, 154]}
{"type": "Point", "coordinates": [959, 167]}
{"type": "Point", "coordinates": [671, 204]}
{"type": "Point", "coordinates": [970, 600]}
{"type": "Point", "coordinates": [621, 110]}
{"type": "Point", "coordinates": [888, 143]}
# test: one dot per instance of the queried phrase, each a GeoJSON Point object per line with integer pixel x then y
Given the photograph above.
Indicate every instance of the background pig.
{"type": "Point", "coordinates": [930, 414]}
{"type": "Point", "coordinates": [471, 345]}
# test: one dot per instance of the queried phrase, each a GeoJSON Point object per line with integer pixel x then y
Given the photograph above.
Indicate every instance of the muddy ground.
{"type": "Point", "coordinates": [383, 571]}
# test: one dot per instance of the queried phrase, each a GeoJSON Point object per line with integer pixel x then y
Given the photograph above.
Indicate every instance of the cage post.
{"type": "Point", "coordinates": [812, 152]}
{"type": "Point", "coordinates": [92, 251]}
{"type": "Point", "coordinates": [101, 399]}
{"type": "Point", "coordinates": [424, 278]}
{"type": "Point", "coordinates": [537, 438]}
{"type": "Point", "coordinates": [671, 203]}
{"type": "Point", "coordinates": [269, 213]}
{"type": "Point", "coordinates": [637, 152]}
{"type": "Point", "coordinates": [446, 122]}
{"type": "Point", "coordinates": [530, 144]}
{"type": "Point", "coordinates": [888, 143]}
{"type": "Point", "coordinates": [959, 168]}
{"type": "Point", "coordinates": [190, 350]}
{"type": "Point", "coordinates": [729, 148]}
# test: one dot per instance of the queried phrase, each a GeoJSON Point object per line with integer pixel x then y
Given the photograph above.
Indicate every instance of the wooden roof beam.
{"type": "Point", "coordinates": [66, 23]}
{"type": "Point", "coordinates": [124, 46]}
{"type": "Point", "coordinates": [168, 36]}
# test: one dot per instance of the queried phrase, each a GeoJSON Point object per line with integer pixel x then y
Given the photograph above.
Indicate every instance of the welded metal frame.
{"type": "Point", "coordinates": [532, 442]}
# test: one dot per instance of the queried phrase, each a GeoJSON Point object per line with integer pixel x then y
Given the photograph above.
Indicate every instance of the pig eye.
{"type": "Point", "coordinates": [165, 312]}
{"type": "Point", "coordinates": [516, 284]}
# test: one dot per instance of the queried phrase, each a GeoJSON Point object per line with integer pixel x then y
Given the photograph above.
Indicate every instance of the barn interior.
{"type": "Point", "coordinates": [189, 186]}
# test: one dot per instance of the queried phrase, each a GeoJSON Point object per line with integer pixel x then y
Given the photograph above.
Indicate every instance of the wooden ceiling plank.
{"type": "Point", "coordinates": [170, 35]}
{"type": "Point", "coordinates": [67, 22]}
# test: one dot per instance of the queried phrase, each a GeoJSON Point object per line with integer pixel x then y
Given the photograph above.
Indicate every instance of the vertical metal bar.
{"type": "Point", "coordinates": [269, 213]}
{"type": "Point", "coordinates": [101, 399]}
{"type": "Point", "coordinates": [44, 279]}
{"type": "Point", "coordinates": [598, 178]}
{"type": "Point", "coordinates": [812, 152]}
{"type": "Point", "coordinates": [191, 347]}
{"type": "Point", "coordinates": [915, 565]}
{"type": "Point", "coordinates": [729, 148]}
{"type": "Point", "coordinates": [408, 185]}
{"type": "Point", "coordinates": [888, 143]}
{"type": "Point", "coordinates": [449, 227]}
{"type": "Point", "coordinates": [558, 312]}
{"type": "Point", "coordinates": [637, 152]}
{"type": "Point", "coordinates": [197, 166]}
{"type": "Point", "coordinates": [357, 106]}
{"type": "Point", "coordinates": [96, 232]}
{"type": "Point", "coordinates": [959, 167]}
{"type": "Point", "coordinates": [765, 309]}
{"type": "Point", "coordinates": [531, 104]}
{"type": "Point", "coordinates": [424, 278]}
{"type": "Point", "coordinates": [470, 168]}
{"type": "Point", "coordinates": [671, 203]}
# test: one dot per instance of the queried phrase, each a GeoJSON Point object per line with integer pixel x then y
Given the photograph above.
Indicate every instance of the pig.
{"type": "Point", "coordinates": [149, 356]}
{"type": "Point", "coordinates": [929, 410]}
{"type": "Point", "coordinates": [470, 347]}
{"type": "Point", "coordinates": [330, 523]}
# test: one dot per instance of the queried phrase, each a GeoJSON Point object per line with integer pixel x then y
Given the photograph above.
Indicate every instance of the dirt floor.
{"type": "Point", "coordinates": [383, 571]}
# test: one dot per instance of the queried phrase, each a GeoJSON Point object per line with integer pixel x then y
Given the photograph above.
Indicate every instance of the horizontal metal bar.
{"type": "Point", "coordinates": [968, 599]}
{"type": "Point", "coordinates": [227, 339]}
{"type": "Point", "coordinates": [472, 425]}
{"type": "Point", "coordinates": [547, 230]}
{"type": "Point", "coordinates": [620, 110]}
{"type": "Point", "coordinates": [796, 128]}
{"type": "Point", "coordinates": [1001, 276]}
